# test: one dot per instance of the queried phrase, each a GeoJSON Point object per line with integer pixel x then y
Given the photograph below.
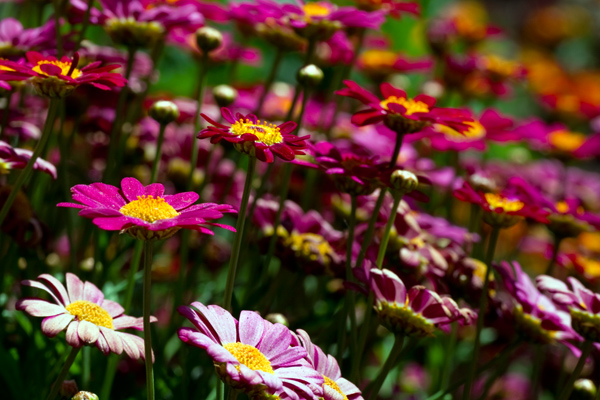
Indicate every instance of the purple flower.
{"type": "Point", "coordinates": [145, 212]}
{"type": "Point", "coordinates": [335, 387]}
{"type": "Point", "coordinates": [583, 304]}
{"type": "Point", "coordinates": [85, 315]}
{"type": "Point", "coordinates": [414, 312]}
{"type": "Point", "coordinates": [252, 354]}
{"type": "Point", "coordinates": [14, 158]}
{"type": "Point", "coordinates": [16, 41]}
{"type": "Point", "coordinates": [537, 318]}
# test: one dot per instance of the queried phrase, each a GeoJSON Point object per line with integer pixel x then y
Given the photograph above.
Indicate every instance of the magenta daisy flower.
{"type": "Point", "coordinates": [327, 365]}
{"type": "Point", "coordinates": [255, 138]}
{"type": "Point", "coordinates": [252, 354]}
{"type": "Point", "coordinates": [400, 113]}
{"type": "Point", "coordinates": [414, 312]}
{"type": "Point", "coordinates": [145, 212]}
{"type": "Point", "coordinates": [54, 78]}
{"type": "Point", "coordinates": [14, 158]}
{"type": "Point", "coordinates": [88, 318]}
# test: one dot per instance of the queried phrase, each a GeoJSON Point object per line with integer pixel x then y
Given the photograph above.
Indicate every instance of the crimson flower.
{"type": "Point", "coordinates": [402, 114]}
{"type": "Point", "coordinates": [255, 138]}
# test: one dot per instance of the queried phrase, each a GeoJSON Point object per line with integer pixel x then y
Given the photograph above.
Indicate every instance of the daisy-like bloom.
{"type": "Point", "coordinates": [53, 78]}
{"type": "Point", "coordinates": [415, 312]}
{"type": "Point", "coordinates": [583, 304]}
{"type": "Point", "coordinates": [401, 114]}
{"type": "Point", "coordinates": [319, 20]}
{"type": "Point", "coordinates": [335, 387]}
{"type": "Point", "coordinates": [252, 354]}
{"type": "Point", "coordinates": [88, 318]}
{"type": "Point", "coordinates": [379, 64]}
{"type": "Point", "coordinates": [145, 212]}
{"type": "Point", "coordinates": [16, 41]}
{"type": "Point", "coordinates": [14, 158]}
{"type": "Point", "coordinates": [304, 240]}
{"type": "Point", "coordinates": [255, 138]}
{"type": "Point", "coordinates": [139, 23]}
{"type": "Point", "coordinates": [394, 8]}
{"type": "Point", "coordinates": [537, 318]}
{"type": "Point", "coordinates": [490, 126]}
{"type": "Point", "coordinates": [502, 210]}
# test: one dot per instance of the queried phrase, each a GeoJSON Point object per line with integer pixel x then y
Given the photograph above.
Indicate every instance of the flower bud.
{"type": "Point", "coordinates": [68, 389]}
{"type": "Point", "coordinates": [404, 181]}
{"type": "Point", "coordinates": [224, 95]}
{"type": "Point", "coordinates": [208, 39]}
{"type": "Point", "coordinates": [277, 318]}
{"type": "Point", "coordinates": [583, 389]}
{"type": "Point", "coordinates": [85, 396]}
{"type": "Point", "coordinates": [164, 112]}
{"type": "Point", "coordinates": [482, 183]}
{"type": "Point", "coordinates": [310, 75]}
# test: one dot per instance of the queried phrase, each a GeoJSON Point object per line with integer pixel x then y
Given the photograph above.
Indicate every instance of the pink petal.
{"type": "Point", "coordinates": [112, 339]}
{"type": "Point", "coordinates": [88, 332]}
{"type": "Point", "coordinates": [52, 326]}
{"type": "Point", "coordinates": [132, 188]}
{"type": "Point", "coordinates": [92, 293]}
{"type": "Point", "coordinates": [39, 308]}
{"type": "Point", "coordinates": [72, 336]}
{"type": "Point", "coordinates": [74, 287]}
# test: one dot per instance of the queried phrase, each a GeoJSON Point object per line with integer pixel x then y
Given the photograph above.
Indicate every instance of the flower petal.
{"type": "Point", "coordinates": [52, 326]}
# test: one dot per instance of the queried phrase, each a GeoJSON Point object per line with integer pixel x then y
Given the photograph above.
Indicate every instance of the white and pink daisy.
{"type": "Point", "coordinates": [88, 319]}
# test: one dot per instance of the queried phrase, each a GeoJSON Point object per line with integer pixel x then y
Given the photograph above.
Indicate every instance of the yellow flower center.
{"type": "Point", "coordinates": [562, 207]}
{"type": "Point", "coordinates": [590, 241]}
{"type": "Point", "coordinates": [64, 66]}
{"type": "Point", "coordinates": [590, 266]}
{"type": "Point", "coordinates": [5, 167]}
{"type": "Point", "coordinates": [266, 133]}
{"type": "Point", "coordinates": [315, 10]}
{"type": "Point", "coordinates": [497, 201]}
{"type": "Point", "coordinates": [250, 356]}
{"type": "Point", "coordinates": [474, 131]}
{"type": "Point", "coordinates": [378, 59]}
{"type": "Point", "coordinates": [91, 312]}
{"type": "Point", "coordinates": [566, 141]}
{"type": "Point", "coordinates": [500, 66]}
{"type": "Point", "coordinates": [412, 106]}
{"type": "Point", "coordinates": [149, 209]}
{"type": "Point", "coordinates": [331, 383]}
{"type": "Point", "coordinates": [5, 68]}
{"type": "Point", "coordinates": [310, 246]}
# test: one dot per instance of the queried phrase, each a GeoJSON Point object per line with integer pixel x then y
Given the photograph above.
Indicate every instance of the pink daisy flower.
{"type": "Point", "coordinates": [145, 212]}
{"type": "Point", "coordinates": [335, 387]}
{"type": "Point", "coordinates": [85, 315]}
{"type": "Point", "coordinates": [252, 354]}
{"type": "Point", "coordinates": [14, 158]}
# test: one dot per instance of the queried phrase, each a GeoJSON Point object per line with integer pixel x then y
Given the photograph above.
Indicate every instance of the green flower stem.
{"type": "Point", "coordinates": [84, 25]}
{"type": "Point", "coordinates": [159, 143]}
{"type": "Point", "coordinates": [557, 242]}
{"type": "Point", "coordinates": [585, 352]}
{"type": "Point", "coordinates": [388, 228]}
{"type": "Point", "coordinates": [6, 112]}
{"type": "Point", "coordinates": [350, 295]}
{"type": "Point", "coordinates": [283, 192]}
{"type": "Point", "coordinates": [59, 44]}
{"type": "Point", "coordinates": [63, 373]}
{"type": "Point", "coordinates": [482, 310]}
{"type": "Point", "coordinates": [509, 349]}
{"type": "Point", "coordinates": [239, 234]}
{"type": "Point", "coordinates": [504, 363]}
{"type": "Point", "coordinates": [117, 126]}
{"type": "Point", "coordinates": [86, 360]}
{"type": "Point", "coordinates": [147, 331]}
{"type": "Point", "coordinates": [24, 175]}
{"type": "Point", "coordinates": [109, 376]}
{"type": "Point", "coordinates": [387, 366]}
{"type": "Point", "coordinates": [449, 356]}
{"type": "Point", "coordinates": [194, 151]}
{"type": "Point", "coordinates": [270, 79]}
{"type": "Point", "coordinates": [368, 238]}
{"type": "Point", "coordinates": [397, 147]}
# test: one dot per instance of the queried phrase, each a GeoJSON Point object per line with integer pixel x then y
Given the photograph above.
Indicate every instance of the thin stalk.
{"type": "Point", "coordinates": [194, 151]}
{"type": "Point", "coordinates": [109, 376]}
{"type": "Point", "coordinates": [397, 147]}
{"type": "Point", "coordinates": [449, 356]}
{"type": "Point", "coordinates": [159, 143]}
{"type": "Point", "coordinates": [368, 238]}
{"type": "Point", "coordinates": [63, 373]}
{"type": "Point", "coordinates": [536, 372]}
{"type": "Point", "coordinates": [147, 331]}
{"type": "Point", "coordinates": [350, 295]}
{"type": "Point", "coordinates": [59, 44]}
{"type": "Point", "coordinates": [6, 112]}
{"type": "Point", "coordinates": [117, 126]}
{"type": "Point", "coordinates": [585, 352]}
{"type": "Point", "coordinates": [387, 366]}
{"type": "Point", "coordinates": [86, 366]}
{"type": "Point", "coordinates": [24, 175]}
{"type": "Point", "coordinates": [283, 192]}
{"type": "Point", "coordinates": [237, 242]}
{"type": "Point", "coordinates": [388, 228]}
{"type": "Point", "coordinates": [270, 79]}
{"type": "Point", "coordinates": [557, 241]}
{"type": "Point", "coordinates": [501, 370]}
{"type": "Point", "coordinates": [84, 25]}
{"type": "Point", "coordinates": [482, 310]}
